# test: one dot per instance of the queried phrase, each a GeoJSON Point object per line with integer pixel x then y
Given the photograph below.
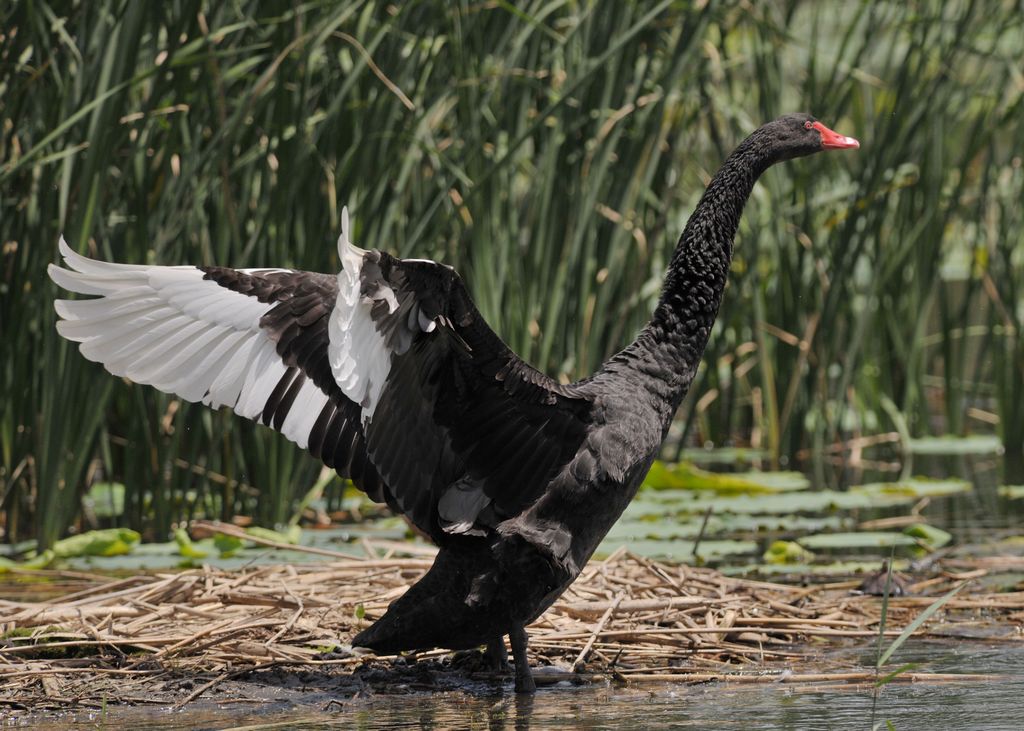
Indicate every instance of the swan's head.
{"type": "Point", "coordinates": [796, 135]}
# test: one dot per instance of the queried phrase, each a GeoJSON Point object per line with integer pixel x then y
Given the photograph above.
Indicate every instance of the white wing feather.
{"type": "Point", "coordinates": [170, 328]}
{"type": "Point", "coordinates": [359, 356]}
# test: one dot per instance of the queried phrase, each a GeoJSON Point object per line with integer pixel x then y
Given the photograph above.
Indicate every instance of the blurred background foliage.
{"type": "Point", "coordinates": [552, 151]}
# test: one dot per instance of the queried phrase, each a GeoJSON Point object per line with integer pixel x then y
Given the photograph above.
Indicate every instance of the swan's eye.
{"type": "Point", "coordinates": [808, 124]}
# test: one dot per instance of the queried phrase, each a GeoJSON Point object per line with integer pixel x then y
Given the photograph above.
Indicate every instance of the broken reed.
{"type": "Point", "coordinates": [627, 618]}
{"type": "Point", "coordinates": [551, 151]}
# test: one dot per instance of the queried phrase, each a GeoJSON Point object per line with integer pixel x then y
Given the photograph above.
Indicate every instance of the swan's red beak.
{"type": "Point", "coordinates": [833, 140]}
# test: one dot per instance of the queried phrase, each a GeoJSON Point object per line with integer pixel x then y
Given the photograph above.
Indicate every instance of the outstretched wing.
{"type": "Point", "coordinates": [183, 331]}
{"type": "Point", "coordinates": [386, 372]}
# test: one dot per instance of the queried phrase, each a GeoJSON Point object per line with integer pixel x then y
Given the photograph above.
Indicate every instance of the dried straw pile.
{"type": "Point", "coordinates": [627, 618]}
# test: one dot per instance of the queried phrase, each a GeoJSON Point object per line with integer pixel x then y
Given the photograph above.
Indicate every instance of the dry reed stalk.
{"type": "Point", "coordinates": [632, 619]}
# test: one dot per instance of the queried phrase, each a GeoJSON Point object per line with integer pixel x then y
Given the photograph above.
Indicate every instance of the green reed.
{"type": "Point", "coordinates": [552, 152]}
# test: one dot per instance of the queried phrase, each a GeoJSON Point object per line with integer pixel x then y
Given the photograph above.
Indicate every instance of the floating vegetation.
{"type": "Point", "coordinates": [861, 539]}
{"type": "Point", "coordinates": [911, 489]}
{"type": "Point", "coordinates": [694, 552]}
{"type": "Point", "coordinates": [767, 511]}
{"type": "Point", "coordinates": [918, 535]}
{"type": "Point", "coordinates": [948, 444]}
{"type": "Point", "coordinates": [724, 455]}
{"type": "Point", "coordinates": [686, 476]}
{"type": "Point", "coordinates": [928, 536]}
{"type": "Point", "coordinates": [728, 518]}
{"type": "Point", "coordinates": [35, 563]}
{"type": "Point", "coordinates": [818, 569]}
{"type": "Point", "coordinates": [787, 552]}
{"type": "Point", "coordinates": [1012, 492]}
{"type": "Point", "coordinates": [187, 547]}
{"type": "Point", "coordinates": [635, 526]}
{"type": "Point", "coordinates": [108, 542]}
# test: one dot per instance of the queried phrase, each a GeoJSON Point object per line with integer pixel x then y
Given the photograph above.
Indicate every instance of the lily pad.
{"type": "Point", "coordinates": [627, 529]}
{"type": "Point", "coordinates": [859, 539]}
{"type": "Point", "coordinates": [680, 550]}
{"type": "Point", "coordinates": [787, 552]}
{"type": "Point", "coordinates": [669, 502]}
{"type": "Point", "coordinates": [928, 535]}
{"type": "Point", "coordinates": [227, 546]}
{"type": "Point", "coordinates": [818, 501]}
{"type": "Point", "coordinates": [948, 444]}
{"type": "Point", "coordinates": [836, 568]}
{"type": "Point", "coordinates": [40, 561]}
{"type": "Point", "coordinates": [187, 547]}
{"type": "Point", "coordinates": [166, 548]}
{"type": "Point", "coordinates": [882, 493]}
{"type": "Point", "coordinates": [659, 519]}
{"type": "Point", "coordinates": [724, 455]}
{"type": "Point", "coordinates": [1009, 544]}
{"type": "Point", "coordinates": [108, 542]}
{"type": "Point", "coordinates": [386, 529]}
{"type": "Point", "coordinates": [292, 537]}
{"type": "Point", "coordinates": [782, 522]}
{"type": "Point", "coordinates": [661, 504]}
{"type": "Point", "coordinates": [686, 476]}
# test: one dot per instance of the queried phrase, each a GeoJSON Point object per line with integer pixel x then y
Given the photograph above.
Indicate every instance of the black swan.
{"type": "Point", "coordinates": [388, 373]}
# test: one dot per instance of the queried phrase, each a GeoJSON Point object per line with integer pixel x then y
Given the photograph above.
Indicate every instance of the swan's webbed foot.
{"type": "Point", "coordinates": [524, 678]}
{"type": "Point", "coordinates": [496, 656]}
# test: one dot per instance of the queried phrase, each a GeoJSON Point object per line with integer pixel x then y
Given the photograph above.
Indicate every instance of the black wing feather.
{"type": "Point", "coordinates": [458, 406]}
{"type": "Point", "coordinates": [298, 325]}
{"type": "Point", "coordinates": [505, 425]}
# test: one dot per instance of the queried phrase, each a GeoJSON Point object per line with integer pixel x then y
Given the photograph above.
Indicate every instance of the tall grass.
{"type": "Point", "coordinates": [551, 151]}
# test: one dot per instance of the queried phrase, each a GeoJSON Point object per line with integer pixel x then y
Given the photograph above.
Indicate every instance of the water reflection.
{"type": "Point", "coordinates": [979, 705]}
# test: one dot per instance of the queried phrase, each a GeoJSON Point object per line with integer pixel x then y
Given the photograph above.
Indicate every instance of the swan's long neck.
{"type": "Point", "coordinates": [665, 355]}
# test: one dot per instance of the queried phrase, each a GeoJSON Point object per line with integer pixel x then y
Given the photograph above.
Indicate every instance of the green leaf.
{"type": "Point", "coordinates": [724, 455]}
{"type": "Point", "coordinates": [948, 444]}
{"type": "Point", "coordinates": [889, 677]}
{"type": "Point", "coordinates": [108, 542]}
{"type": "Point", "coordinates": [686, 476]}
{"type": "Point", "coordinates": [291, 537]}
{"type": "Point", "coordinates": [929, 535]}
{"type": "Point", "coordinates": [633, 529]}
{"type": "Point", "coordinates": [918, 621]}
{"type": "Point", "coordinates": [862, 539]}
{"type": "Point", "coordinates": [787, 552]}
{"type": "Point", "coordinates": [680, 550]}
{"type": "Point", "coordinates": [912, 488]}
{"type": "Point", "coordinates": [40, 561]}
{"type": "Point", "coordinates": [186, 547]}
{"type": "Point", "coordinates": [228, 546]}
{"type": "Point", "coordinates": [807, 501]}
{"type": "Point", "coordinates": [834, 568]}
{"type": "Point", "coordinates": [1011, 492]}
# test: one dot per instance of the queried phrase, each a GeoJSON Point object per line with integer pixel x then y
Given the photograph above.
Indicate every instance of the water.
{"type": "Point", "coordinates": [973, 705]}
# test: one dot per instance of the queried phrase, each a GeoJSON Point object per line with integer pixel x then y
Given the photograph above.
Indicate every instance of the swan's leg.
{"type": "Point", "coordinates": [496, 654]}
{"type": "Point", "coordinates": [524, 679]}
